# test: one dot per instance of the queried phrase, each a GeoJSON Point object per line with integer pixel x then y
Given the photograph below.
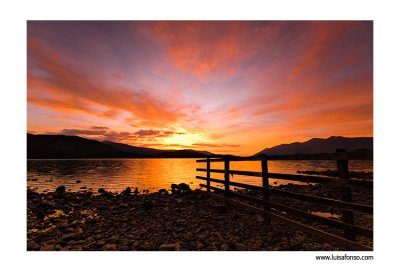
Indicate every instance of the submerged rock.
{"type": "Point", "coordinates": [60, 190]}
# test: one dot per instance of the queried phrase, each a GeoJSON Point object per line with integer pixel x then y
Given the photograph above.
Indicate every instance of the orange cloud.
{"type": "Point", "coordinates": [202, 48]}
{"type": "Point", "coordinates": [67, 88]}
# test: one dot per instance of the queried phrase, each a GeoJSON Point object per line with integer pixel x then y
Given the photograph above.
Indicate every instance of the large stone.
{"type": "Point", "coordinates": [184, 187]}
{"type": "Point", "coordinates": [60, 190]}
{"type": "Point", "coordinates": [126, 192]}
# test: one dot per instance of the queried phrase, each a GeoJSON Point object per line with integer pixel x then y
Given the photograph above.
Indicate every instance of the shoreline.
{"type": "Point", "coordinates": [182, 220]}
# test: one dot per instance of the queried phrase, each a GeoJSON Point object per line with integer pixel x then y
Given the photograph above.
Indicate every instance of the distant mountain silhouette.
{"type": "Point", "coordinates": [134, 149]}
{"type": "Point", "coordinates": [319, 145]}
{"type": "Point", "coordinates": [159, 153]}
{"type": "Point", "coordinates": [62, 146]}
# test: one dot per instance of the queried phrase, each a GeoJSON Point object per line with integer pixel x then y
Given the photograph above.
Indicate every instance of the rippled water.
{"type": "Point", "coordinates": [153, 174]}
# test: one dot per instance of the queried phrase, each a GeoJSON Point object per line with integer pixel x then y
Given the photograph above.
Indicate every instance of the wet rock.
{"type": "Point", "coordinates": [199, 245]}
{"type": "Point", "coordinates": [163, 192]}
{"type": "Point", "coordinates": [124, 248]}
{"type": "Point", "coordinates": [102, 191]}
{"type": "Point", "coordinates": [47, 247]}
{"type": "Point", "coordinates": [174, 188]}
{"type": "Point", "coordinates": [58, 247]}
{"type": "Point", "coordinates": [78, 181]}
{"type": "Point", "coordinates": [60, 190]}
{"type": "Point", "coordinates": [126, 192]}
{"type": "Point", "coordinates": [224, 247]}
{"type": "Point", "coordinates": [170, 247]}
{"type": "Point", "coordinates": [110, 247]}
{"type": "Point", "coordinates": [100, 243]}
{"type": "Point", "coordinates": [82, 188]}
{"type": "Point", "coordinates": [240, 247]}
{"type": "Point", "coordinates": [32, 245]}
{"type": "Point", "coordinates": [184, 187]}
{"type": "Point", "coordinates": [146, 246]}
{"type": "Point", "coordinates": [180, 188]}
{"type": "Point", "coordinates": [299, 239]}
{"type": "Point", "coordinates": [68, 237]}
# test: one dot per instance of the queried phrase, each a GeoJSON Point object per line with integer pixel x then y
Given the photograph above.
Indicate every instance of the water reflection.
{"type": "Point", "coordinates": [153, 174]}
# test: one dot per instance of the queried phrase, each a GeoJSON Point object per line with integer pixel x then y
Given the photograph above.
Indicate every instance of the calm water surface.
{"type": "Point", "coordinates": [153, 174]}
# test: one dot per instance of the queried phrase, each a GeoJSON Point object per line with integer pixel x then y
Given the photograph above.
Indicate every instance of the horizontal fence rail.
{"type": "Point", "coordinates": [270, 208]}
{"type": "Point", "coordinates": [301, 178]}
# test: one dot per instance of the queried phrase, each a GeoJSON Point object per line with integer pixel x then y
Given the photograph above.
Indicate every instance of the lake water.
{"type": "Point", "coordinates": [153, 174]}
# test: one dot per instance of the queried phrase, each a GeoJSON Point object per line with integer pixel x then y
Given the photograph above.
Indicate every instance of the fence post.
{"type": "Point", "coordinates": [343, 173]}
{"type": "Point", "coordinates": [265, 185]}
{"type": "Point", "coordinates": [226, 167]}
{"type": "Point", "coordinates": [208, 174]}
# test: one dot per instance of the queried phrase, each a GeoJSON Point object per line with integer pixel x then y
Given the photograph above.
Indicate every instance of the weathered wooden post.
{"type": "Point", "coordinates": [343, 173]}
{"type": "Point", "coordinates": [208, 174]}
{"type": "Point", "coordinates": [265, 185]}
{"type": "Point", "coordinates": [226, 167]}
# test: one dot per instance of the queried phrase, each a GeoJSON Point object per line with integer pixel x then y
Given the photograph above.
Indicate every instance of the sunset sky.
{"type": "Point", "coordinates": [226, 87]}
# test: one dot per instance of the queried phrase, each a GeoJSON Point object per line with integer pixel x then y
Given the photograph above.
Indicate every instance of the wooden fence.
{"type": "Point", "coordinates": [345, 203]}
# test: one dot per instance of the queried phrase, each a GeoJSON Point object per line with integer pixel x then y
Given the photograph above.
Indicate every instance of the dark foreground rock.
{"type": "Point", "coordinates": [183, 220]}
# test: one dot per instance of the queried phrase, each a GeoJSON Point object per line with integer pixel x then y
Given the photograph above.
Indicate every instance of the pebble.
{"type": "Point", "coordinates": [170, 247]}
{"type": "Point", "coordinates": [240, 247]}
{"type": "Point", "coordinates": [258, 218]}
{"type": "Point", "coordinates": [110, 247]}
{"type": "Point", "coordinates": [33, 246]}
{"type": "Point", "coordinates": [112, 221]}
{"type": "Point", "coordinates": [224, 247]}
{"type": "Point", "coordinates": [47, 248]}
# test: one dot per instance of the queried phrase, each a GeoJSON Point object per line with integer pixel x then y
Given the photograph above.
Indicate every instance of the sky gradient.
{"type": "Point", "coordinates": [227, 87]}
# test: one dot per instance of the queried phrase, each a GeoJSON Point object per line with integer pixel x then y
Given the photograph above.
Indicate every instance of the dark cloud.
{"type": "Point", "coordinates": [83, 131]}
{"type": "Point", "coordinates": [95, 127]}
{"type": "Point", "coordinates": [155, 133]}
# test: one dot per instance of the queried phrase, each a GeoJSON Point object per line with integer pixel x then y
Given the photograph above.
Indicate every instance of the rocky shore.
{"type": "Point", "coordinates": [178, 219]}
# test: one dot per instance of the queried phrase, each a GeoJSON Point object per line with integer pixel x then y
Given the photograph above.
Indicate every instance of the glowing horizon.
{"type": "Point", "coordinates": [223, 86]}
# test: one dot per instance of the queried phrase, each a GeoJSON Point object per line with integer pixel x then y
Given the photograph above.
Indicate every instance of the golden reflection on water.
{"type": "Point", "coordinates": [153, 174]}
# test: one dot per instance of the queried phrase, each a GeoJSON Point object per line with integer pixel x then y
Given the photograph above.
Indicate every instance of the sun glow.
{"type": "Point", "coordinates": [179, 141]}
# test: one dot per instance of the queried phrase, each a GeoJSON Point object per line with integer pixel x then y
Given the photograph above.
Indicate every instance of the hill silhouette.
{"type": "Point", "coordinates": [320, 145]}
{"type": "Point", "coordinates": [62, 146]}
